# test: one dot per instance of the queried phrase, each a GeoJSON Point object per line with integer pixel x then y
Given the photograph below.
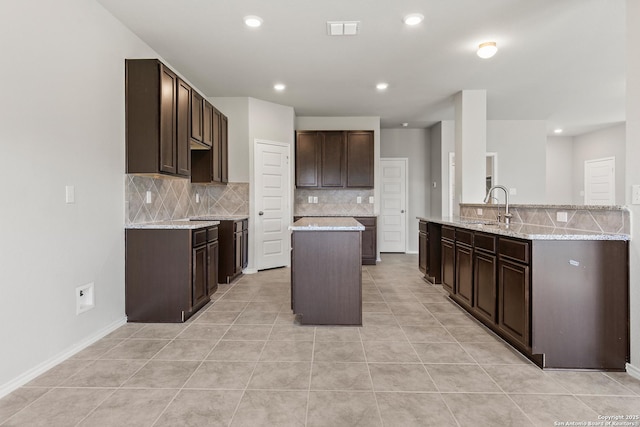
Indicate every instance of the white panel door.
{"type": "Point", "coordinates": [600, 181]}
{"type": "Point", "coordinates": [272, 210]}
{"type": "Point", "coordinates": [393, 205]}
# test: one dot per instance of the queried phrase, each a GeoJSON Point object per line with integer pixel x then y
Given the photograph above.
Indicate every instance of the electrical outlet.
{"type": "Point", "coordinates": [148, 197]}
{"type": "Point", "coordinates": [197, 198]}
{"type": "Point", "coordinates": [371, 199]}
{"type": "Point", "coordinates": [561, 217]}
{"type": "Point", "coordinates": [310, 199]}
{"type": "Point", "coordinates": [359, 199]}
{"type": "Point", "coordinates": [85, 298]}
{"type": "Point", "coordinates": [435, 184]}
{"type": "Point", "coordinates": [479, 211]}
{"type": "Point", "coordinates": [315, 199]}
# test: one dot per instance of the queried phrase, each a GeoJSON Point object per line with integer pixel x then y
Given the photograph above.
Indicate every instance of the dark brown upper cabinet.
{"type": "Point", "coordinates": [157, 119]}
{"type": "Point", "coordinates": [210, 165]}
{"type": "Point", "coordinates": [334, 159]}
{"type": "Point", "coordinates": [360, 159]}
{"type": "Point", "coordinates": [197, 132]}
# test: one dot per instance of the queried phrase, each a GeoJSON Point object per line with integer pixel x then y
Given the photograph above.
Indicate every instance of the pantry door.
{"type": "Point", "coordinates": [600, 181]}
{"type": "Point", "coordinates": [393, 205]}
{"type": "Point", "coordinates": [272, 211]}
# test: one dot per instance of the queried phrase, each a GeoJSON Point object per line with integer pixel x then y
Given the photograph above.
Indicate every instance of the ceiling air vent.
{"type": "Point", "coordinates": [343, 28]}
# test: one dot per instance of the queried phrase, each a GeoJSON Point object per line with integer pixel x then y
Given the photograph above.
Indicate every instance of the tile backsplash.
{"type": "Point", "coordinates": [333, 202]}
{"type": "Point", "coordinates": [175, 198]}
{"type": "Point", "coordinates": [601, 219]}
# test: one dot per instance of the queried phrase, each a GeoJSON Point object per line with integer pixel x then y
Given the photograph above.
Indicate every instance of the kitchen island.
{"type": "Point", "coordinates": [326, 272]}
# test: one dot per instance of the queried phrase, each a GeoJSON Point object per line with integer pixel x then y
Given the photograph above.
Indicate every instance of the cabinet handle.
{"type": "Point", "coordinates": [260, 213]}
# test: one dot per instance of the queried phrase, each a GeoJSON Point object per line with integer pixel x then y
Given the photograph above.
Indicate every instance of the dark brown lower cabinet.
{"type": "Point", "coordinates": [234, 250]}
{"type": "Point", "coordinates": [369, 240]}
{"type": "Point", "coordinates": [169, 273]}
{"type": "Point", "coordinates": [563, 303]}
{"type": "Point", "coordinates": [422, 247]}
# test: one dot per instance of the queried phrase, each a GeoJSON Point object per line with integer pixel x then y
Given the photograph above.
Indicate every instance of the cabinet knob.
{"type": "Point", "coordinates": [260, 213]}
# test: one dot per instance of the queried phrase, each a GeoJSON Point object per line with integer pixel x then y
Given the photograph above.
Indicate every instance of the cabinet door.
{"type": "Point", "coordinates": [182, 129]}
{"type": "Point", "coordinates": [237, 249]}
{"type": "Point", "coordinates": [199, 276]}
{"type": "Point", "coordinates": [216, 148]}
{"type": "Point", "coordinates": [245, 246]}
{"type": "Point", "coordinates": [513, 300]}
{"type": "Point", "coordinates": [360, 159]}
{"type": "Point", "coordinates": [307, 159]}
{"type": "Point", "coordinates": [464, 274]}
{"type": "Point", "coordinates": [434, 270]}
{"type": "Point", "coordinates": [369, 241]}
{"type": "Point", "coordinates": [213, 250]}
{"type": "Point", "coordinates": [197, 118]}
{"type": "Point", "coordinates": [484, 282]}
{"type": "Point", "coordinates": [448, 266]}
{"type": "Point", "coordinates": [168, 83]}
{"type": "Point", "coordinates": [332, 159]}
{"type": "Point", "coordinates": [422, 252]}
{"type": "Point", "coordinates": [207, 124]}
{"type": "Point", "coordinates": [224, 149]}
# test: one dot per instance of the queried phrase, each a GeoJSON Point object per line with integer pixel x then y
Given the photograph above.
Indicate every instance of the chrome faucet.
{"type": "Point", "coordinates": [507, 215]}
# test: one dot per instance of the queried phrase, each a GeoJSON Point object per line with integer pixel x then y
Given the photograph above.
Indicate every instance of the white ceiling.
{"type": "Point", "coordinates": [559, 60]}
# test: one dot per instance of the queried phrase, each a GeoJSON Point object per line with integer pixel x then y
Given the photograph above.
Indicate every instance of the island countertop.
{"type": "Point", "coordinates": [525, 231]}
{"type": "Point", "coordinates": [172, 225]}
{"type": "Point", "coordinates": [326, 224]}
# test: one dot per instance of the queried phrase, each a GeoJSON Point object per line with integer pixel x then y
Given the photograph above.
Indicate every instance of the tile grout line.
{"type": "Point", "coordinates": [313, 351]}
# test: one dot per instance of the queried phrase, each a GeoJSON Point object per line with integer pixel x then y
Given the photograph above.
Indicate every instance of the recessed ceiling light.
{"type": "Point", "coordinates": [487, 49]}
{"type": "Point", "coordinates": [405, 124]}
{"type": "Point", "coordinates": [252, 21]}
{"type": "Point", "coordinates": [382, 86]}
{"type": "Point", "coordinates": [413, 19]}
{"type": "Point", "coordinates": [279, 86]}
{"type": "Point", "coordinates": [557, 131]}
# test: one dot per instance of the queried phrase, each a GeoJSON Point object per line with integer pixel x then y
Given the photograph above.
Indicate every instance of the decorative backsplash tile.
{"type": "Point", "coordinates": [175, 198]}
{"type": "Point", "coordinates": [601, 219]}
{"type": "Point", "coordinates": [333, 202]}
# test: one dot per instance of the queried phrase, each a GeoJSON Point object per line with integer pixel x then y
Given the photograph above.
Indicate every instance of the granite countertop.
{"type": "Point", "coordinates": [219, 217]}
{"type": "Point", "coordinates": [169, 225]}
{"type": "Point", "coordinates": [534, 206]}
{"type": "Point", "coordinates": [337, 215]}
{"type": "Point", "coordinates": [326, 224]}
{"type": "Point", "coordinates": [526, 231]}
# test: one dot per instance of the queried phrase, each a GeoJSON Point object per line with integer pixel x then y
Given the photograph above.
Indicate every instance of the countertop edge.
{"type": "Point", "coordinates": [183, 224]}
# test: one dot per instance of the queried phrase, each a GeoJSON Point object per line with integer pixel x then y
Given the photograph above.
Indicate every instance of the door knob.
{"type": "Point", "coordinates": [260, 213]}
{"type": "Point", "coordinates": [402, 211]}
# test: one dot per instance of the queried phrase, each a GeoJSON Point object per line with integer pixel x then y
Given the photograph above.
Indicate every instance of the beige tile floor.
{"type": "Point", "coordinates": [418, 360]}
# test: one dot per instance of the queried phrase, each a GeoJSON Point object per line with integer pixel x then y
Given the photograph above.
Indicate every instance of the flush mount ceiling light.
{"type": "Point", "coordinates": [252, 21]}
{"type": "Point", "coordinates": [405, 124]}
{"type": "Point", "coordinates": [557, 131]}
{"type": "Point", "coordinates": [382, 86]}
{"type": "Point", "coordinates": [279, 86]}
{"type": "Point", "coordinates": [487, 49]}
{"type": "Point", "coordinates": [413, 18]}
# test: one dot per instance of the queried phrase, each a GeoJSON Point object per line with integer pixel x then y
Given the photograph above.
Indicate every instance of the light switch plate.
{"type": "Point", "coordinates": [315, 199]}
{"type": "Point", "coordinates": [371, 199]}
{"type": "Point", "coordinates": [148, 197]}
{"type": "Point", "coordinates": [359, 199]}
{"type": "Point", "coordinates": [561, 217]}
{"type": "Point", "coordinates": [310, 200]}
{"type": "Point", "coordinates": [635, 194]}
{"type": "Point", "coordinates": [70, 194]}
{"type": "Point", "coordinates": [197, 198]}
{"type": "Point", "coordinates": [479, 211]}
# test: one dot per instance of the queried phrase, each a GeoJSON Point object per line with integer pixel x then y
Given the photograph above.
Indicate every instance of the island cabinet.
{"type": "Point", "coordinates": [429, 251]}
{"type": "Point", "coordinates": [422, 247]}
{"type": "Point", "coordinates": [562, 303]}
{"type": "Point", "coordinates": [234, 239]}
{"type": "Point", "coordinates": [209, 165]}
{"type": "Point", "coordinates": [169, 273]}
{"type": "Point", "coordinates": [326, 275]}
{"type": "Point", "coordinates": [157, 119]}
{"type": "Point", "coordinates": [334, 159]}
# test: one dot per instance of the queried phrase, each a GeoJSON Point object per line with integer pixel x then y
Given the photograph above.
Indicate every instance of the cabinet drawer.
{"type": "Point", "coordinates": [448, 233]}
{"type": "Point", "coordinates": [199, 237]}
{"type": "Point", "coordinates": [514, 249]}
{"type": "Point", "coordinates": [485, 242]}
{"type": "Point", "coordinates": [212, 234]}
{"type": "Point", "coordinates": [367, 222]}
{"type": "Point", "coordinates": [422, 226]}
{"type": "Point", "coordinates": [464, 236]}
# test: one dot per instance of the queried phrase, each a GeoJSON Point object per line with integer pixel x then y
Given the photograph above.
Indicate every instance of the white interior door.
{"type": "Point", "coordinates": [272, 212]}
{"type": "Point", "coordinates": [393, 205]}
{"type": "Point", "coordinates": [600, 181]}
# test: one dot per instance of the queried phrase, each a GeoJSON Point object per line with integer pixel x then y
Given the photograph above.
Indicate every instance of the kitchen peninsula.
{"type": "Point", "coordinates": [326, 272]}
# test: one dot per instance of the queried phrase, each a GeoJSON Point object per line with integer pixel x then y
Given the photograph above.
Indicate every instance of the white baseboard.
{"type": "Point", "coordinates": [633, 371]}
{"type": "Point", "coordinates": [412, 252]}
{"type": "Point", "coordinates": [249, 271]}
{"type": "Point", "coordinates": [43, 367]}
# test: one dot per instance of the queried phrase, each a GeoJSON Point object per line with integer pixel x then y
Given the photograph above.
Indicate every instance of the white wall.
{"type": "Point", "coordinates": [559, 170]}
{"type": "Point", "coordinates": [608, 142]}
{"type": "Point", "coordinates": [414, 145]}
{"type": "Point", "coordinates": [435, 158]}
{"type": "Point", "coordinates": [633, 174]}
{"type": "Point", "coordinates": [521, 148]}
{"type": "Point", "coordinates": [62, 109]}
